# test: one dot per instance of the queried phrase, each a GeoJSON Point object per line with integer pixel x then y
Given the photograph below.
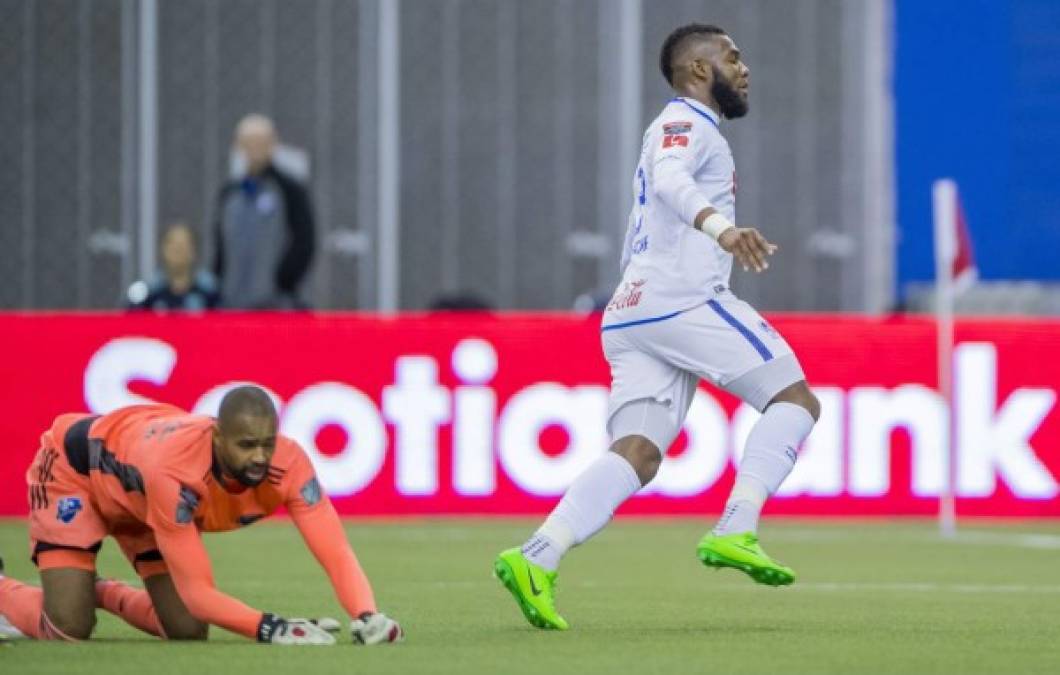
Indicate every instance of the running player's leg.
{"type": "Point", "coordinates": [641, 431]}
{"type": "Point", "coordinates": [769, 456]}
{"type": "Point", "coordinates": [648, 402]}
{"type": "Point", "coordinates": [771, 449]}
{"type": "Point", "coordinates": [733, 346]}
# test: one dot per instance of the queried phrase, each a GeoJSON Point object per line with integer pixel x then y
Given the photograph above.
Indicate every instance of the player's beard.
{"type": "Point", "coordinates": [246, 480]}
{"type": "Point", "coordinates": [730, 102]}
{"type": "Point", "coordinates": [234, 480]}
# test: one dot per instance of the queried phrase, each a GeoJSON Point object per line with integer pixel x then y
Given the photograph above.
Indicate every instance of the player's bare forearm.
{"type": "Point", "coordinates": [702, 216]}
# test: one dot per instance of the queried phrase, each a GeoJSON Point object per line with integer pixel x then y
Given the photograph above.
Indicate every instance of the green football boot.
{"type": "Point", "coordinates": [741, 551]}
{"type": "Point", "coordinates": [533, 588]}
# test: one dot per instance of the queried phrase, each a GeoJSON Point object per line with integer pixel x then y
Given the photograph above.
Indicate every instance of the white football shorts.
{"type": "Point", "coordinates": [724, 341]}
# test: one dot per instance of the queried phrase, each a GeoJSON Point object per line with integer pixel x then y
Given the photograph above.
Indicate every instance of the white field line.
{"type": "Point", "coordinates": [1022, 540]}
{"type": "Point", "coordinates": [815, 586]}
{"type": "Point", "coordinates": [923, 587]}
{"type": "Point", "coordinates": [884, 587]}
{"type": "Point", "coordinates": [972, 538]}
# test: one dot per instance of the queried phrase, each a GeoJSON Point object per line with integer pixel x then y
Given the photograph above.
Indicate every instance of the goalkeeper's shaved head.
{"type": "Point", "coordinates": [244, 436]}
{"type": "Point", "coordinates": [247, 400]}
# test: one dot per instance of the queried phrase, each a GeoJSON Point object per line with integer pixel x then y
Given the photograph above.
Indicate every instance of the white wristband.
{"type": "Point", "coordinates": [715, 224]}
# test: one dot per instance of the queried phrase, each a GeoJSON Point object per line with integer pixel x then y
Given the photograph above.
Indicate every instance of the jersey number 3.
{"type": "Point", "coordinates": [672, 140]}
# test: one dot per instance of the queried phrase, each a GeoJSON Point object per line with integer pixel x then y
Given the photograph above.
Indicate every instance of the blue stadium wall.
{"type": "Point", "coordinates": [977, 98]}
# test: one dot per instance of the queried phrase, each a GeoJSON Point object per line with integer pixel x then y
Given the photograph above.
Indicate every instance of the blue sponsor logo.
{"type": "Point", "coordinates": [640, 245]}
{"type": "Point", "coordinates": [189, 501]}
{"type": "Point", "coordinates": [311, 491]}
{"type": "Point", "coordinates": [68, 508]}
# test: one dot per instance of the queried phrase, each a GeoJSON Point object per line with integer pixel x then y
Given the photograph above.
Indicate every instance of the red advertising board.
{"type": "Point", "coordinates": [464, 414]}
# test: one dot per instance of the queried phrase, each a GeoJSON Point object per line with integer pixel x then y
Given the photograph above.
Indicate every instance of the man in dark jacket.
{"type": "Point", "coordinates": [264, 234]}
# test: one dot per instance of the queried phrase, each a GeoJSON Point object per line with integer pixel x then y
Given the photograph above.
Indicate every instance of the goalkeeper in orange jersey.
{"type": "Point", "coordinates": [154, 478]}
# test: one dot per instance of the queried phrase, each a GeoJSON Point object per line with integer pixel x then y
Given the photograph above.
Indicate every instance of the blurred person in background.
{"type": "Point", "coordinates": [180, 284]}
{"type": "Point", "coordinates": [461, 301]}
{"type": "Point", "coordinates": [264, 229]}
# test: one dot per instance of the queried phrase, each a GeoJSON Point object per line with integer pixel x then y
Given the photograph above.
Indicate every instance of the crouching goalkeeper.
{"type": "Point", "coordinates": [154, 477]}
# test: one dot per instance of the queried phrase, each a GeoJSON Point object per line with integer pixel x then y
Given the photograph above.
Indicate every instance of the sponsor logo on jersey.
{"type": "Point", "coordinates": [163, 429]}
{"type": "Point", "coordinates": [628, 295]}
{"type": "Point", "coordinates": [311, 491]}
{"type": "Point", "coordinates": [189, 501]}
{"type": "Point", "coordinates": [677, 128]}
{"type": "Point", "coordinates": [674, 134]}
{"type": "Point", "coordinates": [68, 508]}
{"type": "Point", "coordinates": [672, 140]}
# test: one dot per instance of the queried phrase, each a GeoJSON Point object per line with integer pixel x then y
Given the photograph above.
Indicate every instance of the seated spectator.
{"type": "Point", "coordinates": [264, 228]}
{"type": "Point", "coordinates": [464, 301]}
{"type": "Point", "coordinates": [179, 285]}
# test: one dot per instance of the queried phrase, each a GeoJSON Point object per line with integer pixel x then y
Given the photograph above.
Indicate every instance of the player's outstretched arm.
{"type": "Point", "coordinates": [676, 187]}
{"type": "Point", "coordinates": [170, 510]}
{"type": "Point", "coordinates": [320, 527]}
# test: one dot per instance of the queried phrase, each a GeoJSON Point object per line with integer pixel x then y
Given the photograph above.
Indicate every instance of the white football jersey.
{"type": "Point", "coordinates": [668, 266]}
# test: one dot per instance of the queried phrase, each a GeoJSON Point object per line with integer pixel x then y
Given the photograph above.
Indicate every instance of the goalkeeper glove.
{"type": "Point", "coordinates": [279, 631]}
{"type": "Point", "coordinates": [328, 624]}
{"type": "Point", "coordinates": [375, 629]}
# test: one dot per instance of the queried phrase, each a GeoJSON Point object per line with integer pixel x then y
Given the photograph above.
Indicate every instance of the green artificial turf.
{"type": "Point", "coordinates": [871, 597]}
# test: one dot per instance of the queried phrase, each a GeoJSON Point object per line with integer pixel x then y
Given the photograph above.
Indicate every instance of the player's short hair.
{"type": "Point", "coordinates": [245, 400]}
{"type": "Point", "coordinates": [676, 41]}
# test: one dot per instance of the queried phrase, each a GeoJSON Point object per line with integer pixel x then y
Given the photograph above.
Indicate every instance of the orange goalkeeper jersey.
{"type": "Point", "coordinates": [153, 465]}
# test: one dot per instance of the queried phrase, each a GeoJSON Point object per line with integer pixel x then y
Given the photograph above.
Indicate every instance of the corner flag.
{"type": "Point", "coordinates": [955, 271]}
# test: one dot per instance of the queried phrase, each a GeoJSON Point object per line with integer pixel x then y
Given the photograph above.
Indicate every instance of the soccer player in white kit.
{"type": "Point", "coordinates": [673, 321]}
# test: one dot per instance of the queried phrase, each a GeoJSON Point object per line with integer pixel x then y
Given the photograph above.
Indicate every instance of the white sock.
{"type": "Point", "coordinates": [768, 458]}
{"type": "Point", "coordinates": [588, 505]}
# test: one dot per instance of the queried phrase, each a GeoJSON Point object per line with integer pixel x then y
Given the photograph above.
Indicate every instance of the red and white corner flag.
{"type": "Point", "coordinates": [954, 257]}
{"type": "Point", "coordinates": [955, 271]}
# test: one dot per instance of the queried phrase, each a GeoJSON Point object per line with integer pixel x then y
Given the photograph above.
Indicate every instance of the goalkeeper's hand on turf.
{"type": "Point", "coordinates": [375, 629]}
{"type": "Point", "coordinates": [328, 624]}
{"type": "Point", "coordinates": [279, 631]}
